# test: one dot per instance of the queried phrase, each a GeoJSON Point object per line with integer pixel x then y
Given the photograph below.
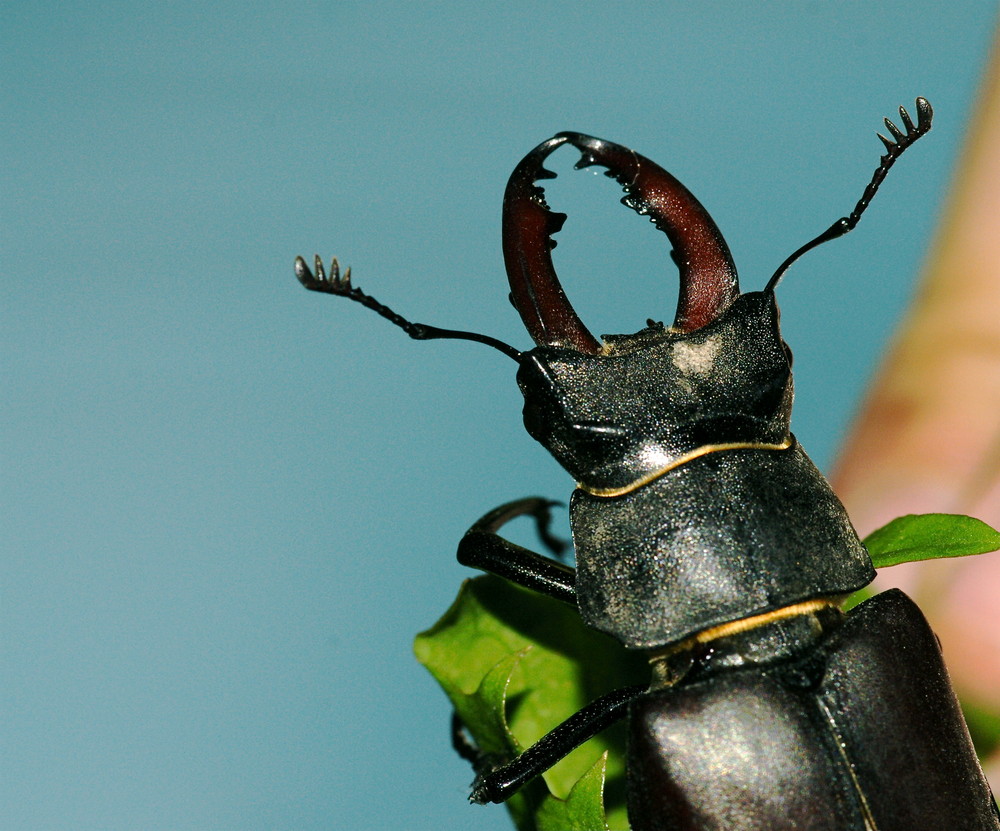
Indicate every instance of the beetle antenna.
{"type": "Point", "coordinates": [340, 284]}
{"type": "Point", "coordinates": [894, 149]}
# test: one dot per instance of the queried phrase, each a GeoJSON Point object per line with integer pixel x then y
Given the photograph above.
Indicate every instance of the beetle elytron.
{"type": "Point", "coordinates": [705, 537]}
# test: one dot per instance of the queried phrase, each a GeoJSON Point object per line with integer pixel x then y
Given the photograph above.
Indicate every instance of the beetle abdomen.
{"type": "Point", "coordinates": [860, 732]}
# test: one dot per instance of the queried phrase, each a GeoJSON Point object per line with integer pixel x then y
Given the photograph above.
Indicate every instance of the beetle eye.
{"type": "Point", "coordinates": [538, 418]}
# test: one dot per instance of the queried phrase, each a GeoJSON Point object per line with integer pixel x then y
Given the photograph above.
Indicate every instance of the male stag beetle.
{"type": "Point", "coordinates": [706, 537]}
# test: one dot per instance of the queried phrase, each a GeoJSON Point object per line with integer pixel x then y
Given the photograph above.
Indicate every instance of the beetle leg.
{"type": "Point", "coordinates": [462, 744]}
{"type": "Point", "coordinates": [483, 548]}
{"type": "Point", "coordinates": [501, 783]}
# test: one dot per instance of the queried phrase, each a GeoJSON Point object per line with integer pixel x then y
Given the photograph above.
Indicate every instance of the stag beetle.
{"type": "Point", "coordinates": [705, 537]}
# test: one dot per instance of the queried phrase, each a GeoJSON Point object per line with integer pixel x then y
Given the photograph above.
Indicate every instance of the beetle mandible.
{"type": "Point", "coordinates": [706, 537]}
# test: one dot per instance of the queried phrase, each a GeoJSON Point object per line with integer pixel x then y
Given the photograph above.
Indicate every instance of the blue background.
{"type": "Point", "coordinates": [229, 504]}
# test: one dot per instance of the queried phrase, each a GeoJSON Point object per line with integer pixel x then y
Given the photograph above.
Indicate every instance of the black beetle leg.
{"type": "Point", "coordinates": [502, 782]}
{"type": "Point", "coordinates": [462, 744]}
{"type": "Point", "coordinates": [483, 548]}
{"type": "Point", "coordinates": [466, 748]}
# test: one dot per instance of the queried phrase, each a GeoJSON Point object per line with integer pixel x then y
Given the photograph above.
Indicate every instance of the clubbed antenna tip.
{"type": "Point", "coordinates": [903, 140]}
{"type": "Point", "coordinates": [340, 285]}
{"type": "Point", "coordinates": [894, 149]}
{"type": "Point", "coordinates": [336, 284]}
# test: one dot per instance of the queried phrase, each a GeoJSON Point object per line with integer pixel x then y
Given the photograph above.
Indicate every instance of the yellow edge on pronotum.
{"type": "Point", "coordinates": [704, 450]}
{"type": "Point", "coordinates": [745, 624]}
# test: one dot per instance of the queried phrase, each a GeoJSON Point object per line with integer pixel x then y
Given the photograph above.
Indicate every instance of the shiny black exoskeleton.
{"type": "Point", "coordinates": [706, 537]}
{"type": "Point", "coordinates": [731, 524]}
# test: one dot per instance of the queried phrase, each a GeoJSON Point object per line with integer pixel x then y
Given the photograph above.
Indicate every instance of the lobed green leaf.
{"type": "Point", "coordinates": [582, 809]}
{"type": "Point", "coordinates": [515, 664]}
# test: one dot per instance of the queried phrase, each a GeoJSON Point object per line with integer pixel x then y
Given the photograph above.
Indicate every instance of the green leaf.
{"type": "Point", "coordinates": [582, 809]}
{"type": "Point", "coordinates": [486, 709]}
{"type": "Point", "coordinates": [860, 596]}
{"type": "Point", "coordinates": [505, 655]}
{"type": "Point", "coordinates": [984, 727]}
{"type": "Point", "coordinates": [929, 537]}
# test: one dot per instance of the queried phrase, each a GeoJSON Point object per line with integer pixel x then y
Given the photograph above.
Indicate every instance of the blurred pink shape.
{"type": "Point", "coordinates": [927, 438]}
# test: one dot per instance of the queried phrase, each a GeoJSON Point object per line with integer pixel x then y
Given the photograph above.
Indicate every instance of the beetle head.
{"type": "Point", "coordinates": [615, 411]}
{"type": "Point", "coordinates": [618, 419]}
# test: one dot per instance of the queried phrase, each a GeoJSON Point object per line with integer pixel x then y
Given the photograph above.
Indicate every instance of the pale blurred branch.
{"type": "Point", "coordinates": [927, 437]}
